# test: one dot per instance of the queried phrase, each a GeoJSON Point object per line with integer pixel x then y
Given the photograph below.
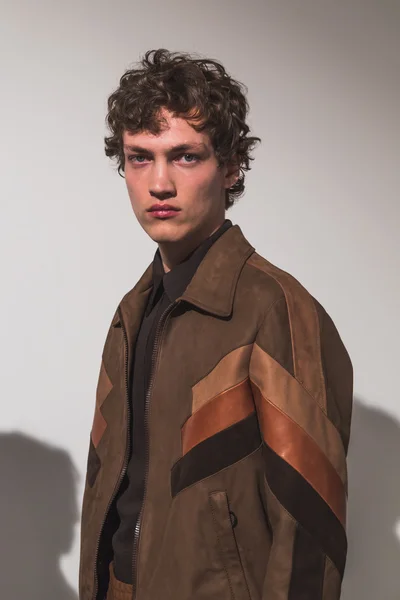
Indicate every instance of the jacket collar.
{"type": "Point", "coordinates": [178, 278]}
{"type": "Point", "coordinates": [212, 287]}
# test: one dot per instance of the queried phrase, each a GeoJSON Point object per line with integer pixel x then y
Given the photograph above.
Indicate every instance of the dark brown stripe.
{"type": "Point", "coordinates": [93, 464]}
{"type": "Point", "coordinates": [297, 448]}
{"type": "Point", "coordinates": [217, 414]}
{"type": "Point", "coordinates": [307, 507]}
{"type": "Point", "coordinates": [308, 568]}
{"type": "Point", "coordinates": [215, 453]}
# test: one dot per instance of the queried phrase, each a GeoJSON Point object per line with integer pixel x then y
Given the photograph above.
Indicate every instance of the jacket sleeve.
{"type": "Point", "coordinates": [302, 381]}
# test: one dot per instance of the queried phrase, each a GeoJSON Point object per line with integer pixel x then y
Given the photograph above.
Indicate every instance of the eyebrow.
{"type": "Point", "coordinates": [179, 148]}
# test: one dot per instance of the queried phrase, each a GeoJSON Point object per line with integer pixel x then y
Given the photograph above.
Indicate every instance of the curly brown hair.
{"type": "Point", "coordinates": [196, 89]}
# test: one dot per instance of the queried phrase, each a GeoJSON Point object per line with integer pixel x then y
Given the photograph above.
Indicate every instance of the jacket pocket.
{"type": "Point", "coordinates": [224, 523]}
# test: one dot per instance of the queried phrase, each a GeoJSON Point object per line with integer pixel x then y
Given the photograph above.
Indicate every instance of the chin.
{"type": "Point", "coordinates": [166, 231]}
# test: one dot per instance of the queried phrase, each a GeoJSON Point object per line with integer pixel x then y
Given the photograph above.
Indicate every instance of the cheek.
{"type": "Point", "coordinates": [133, 188]}
{"type": "Point", "coordinates": [204, 185]}
{"type": "Point", "coordinates": [134, 199]}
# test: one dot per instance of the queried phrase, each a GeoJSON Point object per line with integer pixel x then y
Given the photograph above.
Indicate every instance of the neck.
{"type": "Point", "coordinates": [173, 253]}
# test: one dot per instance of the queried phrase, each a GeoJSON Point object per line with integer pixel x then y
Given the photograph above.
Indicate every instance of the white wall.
{"type": "Point", "coordinates": [322, 201]}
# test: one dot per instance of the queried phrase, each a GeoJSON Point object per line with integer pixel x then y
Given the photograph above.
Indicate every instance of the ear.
{"type": "Point", "coordinates": [232, 173]}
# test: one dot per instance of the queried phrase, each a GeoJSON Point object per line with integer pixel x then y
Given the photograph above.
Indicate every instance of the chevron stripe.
{"type": "Point", "coordinates": [104, 387]}
{"type": "Point", "coordinates": [229, 371]}
{"type": "Point", "coordinates": [217, 414]}
{"type": "Point", "coordinates": [291, 443]}
{"type": "Point", "coordinates": [289, 396]}
{"type": "Point", "coordinates": [307, 507]}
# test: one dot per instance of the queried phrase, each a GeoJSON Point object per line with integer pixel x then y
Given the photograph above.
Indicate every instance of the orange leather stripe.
{"type": "Point", "coordinates": [291, 443]}
{"type": "Point", "coordinates": [289, 396]}
{"type": "Point", "coordinates": [304, 326]}
{"type": "Point", "coordinates": [217, 414]}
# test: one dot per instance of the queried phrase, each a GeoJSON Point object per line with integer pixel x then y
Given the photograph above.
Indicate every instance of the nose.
{"type": "Point", "coordinates": [161, 184]}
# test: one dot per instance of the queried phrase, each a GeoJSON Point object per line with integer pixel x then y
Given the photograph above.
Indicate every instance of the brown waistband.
{"type": "Point", "coordinates": [118, 590]}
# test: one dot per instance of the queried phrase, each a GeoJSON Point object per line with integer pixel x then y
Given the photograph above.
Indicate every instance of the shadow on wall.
{"type": "Point", "coordinates": [373, 563]}
{"type": "Point", "coordinates": [38, 512]}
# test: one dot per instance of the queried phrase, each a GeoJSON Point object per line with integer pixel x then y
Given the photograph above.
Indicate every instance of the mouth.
{"type": "Point", "coordinates": [164, 212]}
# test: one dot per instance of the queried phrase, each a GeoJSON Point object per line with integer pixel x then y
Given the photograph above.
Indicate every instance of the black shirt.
{"type": "Point", "coordinates": [167, 287]}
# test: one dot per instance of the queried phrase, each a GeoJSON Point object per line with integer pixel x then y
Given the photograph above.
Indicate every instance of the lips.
{"type": "Point", "coordinates": [164, 213]}
{"type": "Point", "coordinates": [163, 208]}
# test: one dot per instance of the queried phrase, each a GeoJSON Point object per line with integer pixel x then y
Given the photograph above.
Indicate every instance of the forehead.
{"type": "Point", "coordinates": [177, 131]}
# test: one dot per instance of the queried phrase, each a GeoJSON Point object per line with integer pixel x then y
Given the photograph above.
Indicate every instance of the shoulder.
{"type": "Point", "coordinates": [291, 328]}
{"type": "Point", "coordinates": [299, 334]}
{"type": "Point", "coordinates": [306, 315]}
{"type": "Point", "coordinates": [276, 285]}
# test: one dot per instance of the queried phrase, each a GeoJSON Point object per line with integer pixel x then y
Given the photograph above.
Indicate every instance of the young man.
{"type": "Point", "coordinates": [217, 459]}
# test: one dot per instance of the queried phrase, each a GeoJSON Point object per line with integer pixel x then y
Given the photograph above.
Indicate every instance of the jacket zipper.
{"type": "Point", "coordinates": [124, 467]}
{"type": "Point", "coordinates": [159, 332]}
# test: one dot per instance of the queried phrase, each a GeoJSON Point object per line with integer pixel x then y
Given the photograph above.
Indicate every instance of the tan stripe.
{"type": "Point", "coordinates": [230, 370]}
{"type": "Point", "coordinates": [280, 560]}
{"type": "Point", "coordinates": [104, 387]}
{"type": "Point", "coordinates": [221, 412]}
{"type": "Point", "coordinates": [291, 443]}
{"type": "Point", "coordinates": [285, 392]}
{"type": "Point", "coordinates": [332, 581]}
{"type": "Point", "coordinates": [304, 327]}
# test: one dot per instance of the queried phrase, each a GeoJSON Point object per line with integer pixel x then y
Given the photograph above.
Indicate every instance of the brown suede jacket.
{"type": "Point", "coordinates": [247, 426]}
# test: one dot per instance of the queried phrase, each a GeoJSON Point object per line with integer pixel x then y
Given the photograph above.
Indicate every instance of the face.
{"type": "Point", "coordinates": [177, 167]}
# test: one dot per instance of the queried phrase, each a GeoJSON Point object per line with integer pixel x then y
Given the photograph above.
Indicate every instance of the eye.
{"type": "Point", "coordinates": [135, 158]}
{"type": "Point", "coordinates": [194, 157]}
